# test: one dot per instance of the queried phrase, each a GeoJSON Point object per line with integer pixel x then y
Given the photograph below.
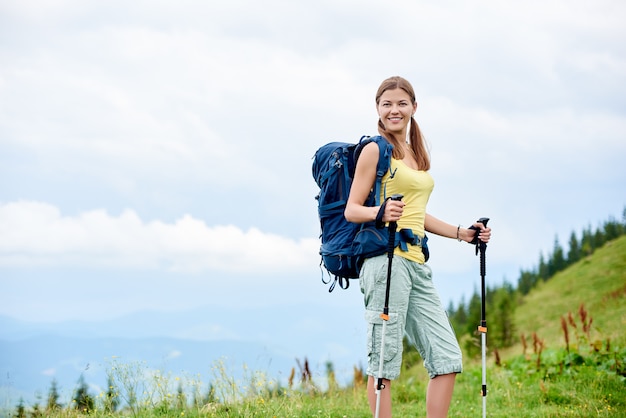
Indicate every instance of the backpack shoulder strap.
{"type": "Point", "coordinates": [385, 150]}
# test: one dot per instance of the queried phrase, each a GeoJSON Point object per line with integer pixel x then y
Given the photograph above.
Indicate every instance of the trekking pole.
{"type": "Point", "coordinates": [482, 328]}
{"type": "Point", "coordinates": [385, 315]}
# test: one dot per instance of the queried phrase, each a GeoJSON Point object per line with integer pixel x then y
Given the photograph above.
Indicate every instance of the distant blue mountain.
{"type": "Point", "coordinates": [28, 366]}
{"type": "Point", "coordinates": [182, 343]}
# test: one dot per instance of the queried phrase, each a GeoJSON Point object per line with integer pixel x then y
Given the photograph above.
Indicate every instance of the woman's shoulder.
{"type": "Point", "coordinates": [369, 152]}
{"type": "Point", "coordinates": [372, 149]}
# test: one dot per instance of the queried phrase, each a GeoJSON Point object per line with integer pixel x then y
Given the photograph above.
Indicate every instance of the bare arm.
{"type": "Point", "coordinates": [439, 227]}
{"type": "Point", "coordinates": [364, 177]}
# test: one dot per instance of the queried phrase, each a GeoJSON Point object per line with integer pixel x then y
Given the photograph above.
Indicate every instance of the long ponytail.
{"type": "Point", "coordinates": [418, 144]}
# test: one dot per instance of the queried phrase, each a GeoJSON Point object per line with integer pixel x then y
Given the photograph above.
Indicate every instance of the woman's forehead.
{"type": "Point", "coordinates": [396, 94]}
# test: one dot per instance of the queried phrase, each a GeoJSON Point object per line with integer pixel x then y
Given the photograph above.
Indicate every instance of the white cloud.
{"type": "Point", "coordinates": [49, 372]}
{"type": "Point", "coordinates": [35, 233]}
{"type": "Point", "coordinates": [173, 354]}
{"type": "Point", "coordinates": [214, 110]}
{"type": "Point", "coordinates": [126, 103]}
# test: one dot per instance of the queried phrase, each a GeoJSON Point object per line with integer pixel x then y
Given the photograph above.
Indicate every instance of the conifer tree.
{"type": "Point", "coordinates": [501, 326]}
{"type": "Point", "coordinates": [543, 270]}
{"type": "Point", "coordinates": [20, 411]}
{"type": "Point", "coordinates": [83, 401]}
{"type": "Point", "coordinates": [526, 281]}
{"type": "Point", "coordinates": [112, 400]}
{"type": "Point", "coordinates": [611, 229]}
{"type": "Point", "coordinates": [557, 261]}
{"type": "Point", "coordinates": [598, 239]}
{"type": "Point", "coordinates": [474, 314]}
{"type": "Point", "coordinates": [53, 397]}
{"type": "Point", "coordinates": [573, 255]}
{"type": "Point", "coordinates": [458, 317]}
{"type": "Point", "coordinates": [36, 412]}
{"type": "Point", "coordinates": [586, 243]}
{"type": "Point", "coordinates": [181, 398]}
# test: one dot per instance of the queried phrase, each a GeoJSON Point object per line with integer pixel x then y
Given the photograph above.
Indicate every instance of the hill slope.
{"type": "Point", "coordinates": [597, 281]}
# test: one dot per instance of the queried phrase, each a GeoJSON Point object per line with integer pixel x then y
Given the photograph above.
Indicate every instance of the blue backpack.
{"type": "Point", "coordinates": [345, 244]}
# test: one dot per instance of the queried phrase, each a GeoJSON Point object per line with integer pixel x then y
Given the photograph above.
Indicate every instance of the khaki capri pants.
{"type": "Point", "coordinates": [415, 310]}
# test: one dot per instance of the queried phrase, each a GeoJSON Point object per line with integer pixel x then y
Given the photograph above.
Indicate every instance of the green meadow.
{"type": "Point", "coordinates": [568, 359]}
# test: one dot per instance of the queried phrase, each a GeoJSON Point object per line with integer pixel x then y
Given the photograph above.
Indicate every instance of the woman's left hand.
{"type": "Point", "coordinates": [484, 233]}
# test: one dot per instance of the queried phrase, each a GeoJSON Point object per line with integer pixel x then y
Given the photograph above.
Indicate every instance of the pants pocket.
{"type": "Point", "coordinates": [393, 334]}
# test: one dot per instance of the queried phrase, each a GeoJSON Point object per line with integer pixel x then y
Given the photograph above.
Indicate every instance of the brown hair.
{"type": "Point", "coordinates": [417, 141]}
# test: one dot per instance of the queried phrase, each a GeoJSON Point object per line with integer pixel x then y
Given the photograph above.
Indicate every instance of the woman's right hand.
{"type": "Point", "coordinates": [393, 210]}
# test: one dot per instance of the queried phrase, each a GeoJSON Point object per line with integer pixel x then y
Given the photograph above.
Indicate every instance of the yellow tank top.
{"type": "Point", "coordinates": [416, 187]}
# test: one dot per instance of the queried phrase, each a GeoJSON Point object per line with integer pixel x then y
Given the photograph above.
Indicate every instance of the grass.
{"type": "Point", "coordinates": [583, 394]}
{"type": "Point", "coordinates": [598, 282]}
{"type": "Point", "coordinates": [583, 375]}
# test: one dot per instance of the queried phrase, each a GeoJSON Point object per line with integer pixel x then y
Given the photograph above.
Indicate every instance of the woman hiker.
{"type": "Point", "coordinates": [414, 304]}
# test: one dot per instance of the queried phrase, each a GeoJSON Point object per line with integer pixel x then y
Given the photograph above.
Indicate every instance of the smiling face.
{"type": "Point", "coordinates": [395, 108]}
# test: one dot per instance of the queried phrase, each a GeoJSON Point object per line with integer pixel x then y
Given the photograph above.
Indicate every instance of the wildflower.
{"type": "Point", "coordinates": [565, 332]}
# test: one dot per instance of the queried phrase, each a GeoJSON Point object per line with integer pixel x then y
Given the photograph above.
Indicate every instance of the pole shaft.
{"type": "Point", "coordinates": [391, 244]}
{"type": "Point", "coordinates": [483, 326]}
{"type": "Point", "coordinates": [385, 315]}
{"type": "Point", "coordinates": [481, 247]}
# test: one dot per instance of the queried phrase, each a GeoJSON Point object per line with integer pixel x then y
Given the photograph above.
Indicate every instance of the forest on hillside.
{"type": "Point", "coordinates": [503, 299]}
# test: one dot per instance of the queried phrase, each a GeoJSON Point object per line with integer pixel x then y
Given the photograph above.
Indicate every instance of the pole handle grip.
{"type": "Point", "coordinates": [481, 221]}
{"type": "Point", "coordinates": [476, 241]}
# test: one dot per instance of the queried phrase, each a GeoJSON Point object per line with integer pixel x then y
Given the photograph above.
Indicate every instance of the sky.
{"type": "Point", "coordinates": [156, 156]}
